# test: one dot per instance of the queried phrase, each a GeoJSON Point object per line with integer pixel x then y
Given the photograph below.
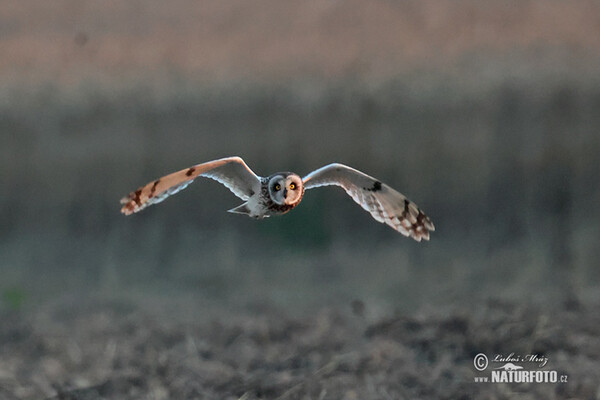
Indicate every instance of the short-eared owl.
{"type": "Point", "coordinates": [280, 192]}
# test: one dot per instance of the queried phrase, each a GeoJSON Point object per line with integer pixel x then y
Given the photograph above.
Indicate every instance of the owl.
{"type": "Point", "coordinates": [279, 193]}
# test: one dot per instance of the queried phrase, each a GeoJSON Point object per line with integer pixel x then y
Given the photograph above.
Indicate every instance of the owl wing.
{"type": "Point", "coordinates": [231, 172]}
{"type": "Point", "coordinates": [384, 203]}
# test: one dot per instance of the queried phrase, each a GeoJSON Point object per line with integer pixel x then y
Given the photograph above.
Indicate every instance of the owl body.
{"type": "Point", "coordinates": [279, 193]}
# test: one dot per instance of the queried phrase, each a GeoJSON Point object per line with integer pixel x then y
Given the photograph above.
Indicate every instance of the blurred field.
{"type": "Point", "coordinates": [94, 351]}
{"type": "Point", "coordinates": [483, 113]}
{"type": "Point", "coordinates": [68, 41]}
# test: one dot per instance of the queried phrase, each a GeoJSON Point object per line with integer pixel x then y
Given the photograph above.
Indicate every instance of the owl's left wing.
{"type": "Point", "coordinates": [232, 172]}
{"type": "Point", "coordinates": [384, 203]}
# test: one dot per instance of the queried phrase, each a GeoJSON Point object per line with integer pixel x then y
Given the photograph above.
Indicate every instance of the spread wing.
{"type": "Point", "coordinates": [384, 203]}
{"type": "Point", "coordinates": [231, 172]}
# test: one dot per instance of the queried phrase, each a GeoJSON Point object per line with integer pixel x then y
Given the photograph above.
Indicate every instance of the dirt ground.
{"type": "Point", "coordinates": [113, 349]}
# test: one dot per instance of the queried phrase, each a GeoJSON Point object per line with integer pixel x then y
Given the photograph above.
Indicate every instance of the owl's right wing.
{"type": "Point", "coordinates": [232, 172]}
{"type": "Point", "coordinates": [384, 203]}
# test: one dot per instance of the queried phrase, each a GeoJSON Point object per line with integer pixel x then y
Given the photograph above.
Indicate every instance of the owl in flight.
{"type": "Point", "coordinates": [279, 193]}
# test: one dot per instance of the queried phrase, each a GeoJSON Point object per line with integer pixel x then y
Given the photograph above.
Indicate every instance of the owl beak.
{"type": "Point", "coordinates": [285, 193]}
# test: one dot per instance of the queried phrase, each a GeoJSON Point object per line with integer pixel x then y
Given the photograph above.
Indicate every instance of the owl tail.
{"type": "Point", "coordinates": [241, 209]}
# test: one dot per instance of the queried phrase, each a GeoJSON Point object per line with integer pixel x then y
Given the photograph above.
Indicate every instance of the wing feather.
{"type": "Point", "coordinates": [232, 172]}
{"type": "Point", "coordinates": [385, 204]}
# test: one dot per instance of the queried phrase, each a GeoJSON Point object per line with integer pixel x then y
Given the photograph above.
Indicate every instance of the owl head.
{"type": "Point", "coordinates": [286, 188]}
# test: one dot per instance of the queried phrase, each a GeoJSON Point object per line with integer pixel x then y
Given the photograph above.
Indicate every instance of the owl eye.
{"type": "Point", "coordinates": [292, 186]}
{"type": "Point", "coordinates": [277, 187]}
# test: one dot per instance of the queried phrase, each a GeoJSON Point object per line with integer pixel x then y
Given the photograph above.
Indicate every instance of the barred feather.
{"type": "Point", "coordinates": [384, 203]}
{"type": "Point", "coordinates": [231, 172]}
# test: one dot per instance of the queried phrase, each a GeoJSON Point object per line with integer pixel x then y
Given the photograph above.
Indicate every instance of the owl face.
{"type": "Point", "coordinates": [286, 189]}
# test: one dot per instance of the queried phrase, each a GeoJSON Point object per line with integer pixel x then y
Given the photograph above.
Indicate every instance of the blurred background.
{"type": "Point", "coordinates": [486, 114]}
